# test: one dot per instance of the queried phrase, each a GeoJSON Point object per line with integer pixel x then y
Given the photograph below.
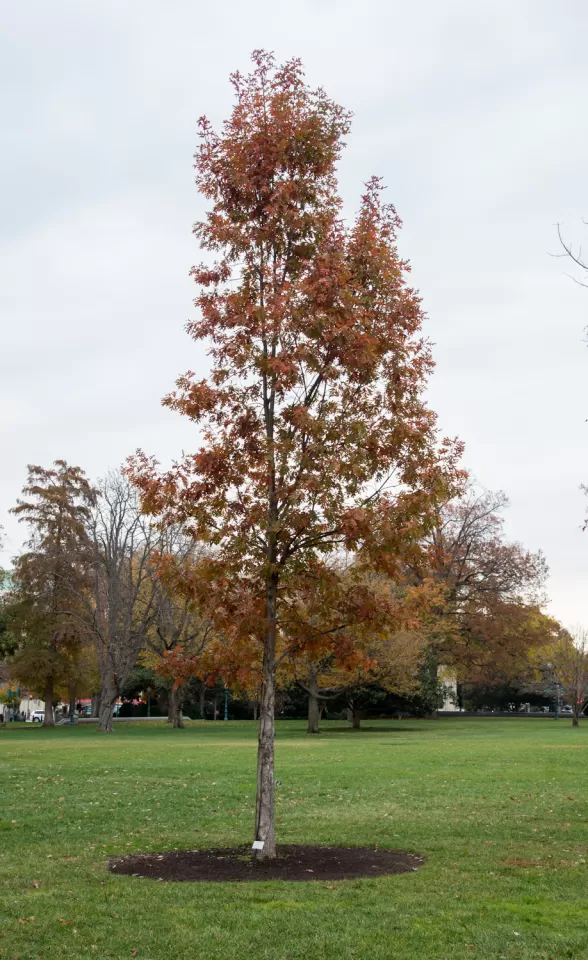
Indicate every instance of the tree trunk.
{"type": "Point", "coordinates": [49, 719]}
{"type": "Point", "coordinates": [214, 700]}
{"type": "Point", "coordinates": [175, 708]}
{"type": "Point", "coordinates": [255, 708]}
{"type": "Point", "coordinates": [202, 701]}
{"type": "Point", "coordinates": [264, 807]}
{"type": "Point", "coordinates": [95, 707]}
{"type": "Point", "coordinates": [356, 718]}
{"type": "Point", "coordinates": [313, 707]}
{"type": "Point", "coordinates": [108, 698]}
{"type": "Point", "coordinates": [575, 716]}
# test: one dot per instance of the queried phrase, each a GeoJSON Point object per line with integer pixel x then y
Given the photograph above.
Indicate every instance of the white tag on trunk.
{"type": "Point", "coordinates": [258, 844]}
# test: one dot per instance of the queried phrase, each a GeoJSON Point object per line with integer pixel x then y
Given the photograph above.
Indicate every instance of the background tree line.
{"type": "Point", "coordinates": [100, 605]}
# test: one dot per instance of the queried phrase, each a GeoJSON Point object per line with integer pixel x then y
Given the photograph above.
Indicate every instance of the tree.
{"type": "Point", "coordinates": [573, 254]}
{"type": "Point", "coordinates": [316, 437]}
{"type": "Point", "coordinates": [10, 700]}
{"type": "Point", "coordinates": [8, 641]}
{"type": "Point", "coordinates": [122, 607]}
{"type": "Point", "coordinates": [50, 577]}
{"type": "Point", "coordinates": [569, 662]}
{"type": "Point", "coordinates": [393, 667]}
{"type": "Point", "coordinates": [342, 626]}
{"type": "Point", "coordinates": [489, 588]}
{"type": "Point", "coordinates": [372, 646]}
{"type": "Point", "coordinates": [178, 624]}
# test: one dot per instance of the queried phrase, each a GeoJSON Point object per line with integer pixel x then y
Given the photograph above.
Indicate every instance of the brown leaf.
{"type": "Point", "coordinates": [24, 919]}
{"type": "Point", "coordinates": [65, 922]}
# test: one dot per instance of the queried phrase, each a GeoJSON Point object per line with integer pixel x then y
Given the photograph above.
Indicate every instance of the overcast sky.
{"type": "Point", "coordinates": [475, 115]}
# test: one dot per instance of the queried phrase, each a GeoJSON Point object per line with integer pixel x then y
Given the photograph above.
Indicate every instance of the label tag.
{"type": "Point", "coordinates": [258, 844]}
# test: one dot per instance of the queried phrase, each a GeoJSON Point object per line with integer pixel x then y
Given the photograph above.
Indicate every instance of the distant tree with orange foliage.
{"type": "Point", "coordinates": [490, 590]}
{"type": "Point", "coordinates": [49, 579]}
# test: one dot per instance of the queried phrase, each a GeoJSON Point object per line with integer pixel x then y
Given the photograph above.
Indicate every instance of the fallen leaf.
{"type": "Point", "coordinates": [65, 922]}
{"type": "Point", "coordinates": [36, 884]}
{"type": "Point", "coordinates": [24, 919]}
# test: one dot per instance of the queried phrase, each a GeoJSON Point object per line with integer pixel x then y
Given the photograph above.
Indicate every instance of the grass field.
{"type": "Point", "coordinates": [499, 808]}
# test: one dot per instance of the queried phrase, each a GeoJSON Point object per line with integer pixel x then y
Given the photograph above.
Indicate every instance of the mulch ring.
{"type": "Point", "coordinates": [291, 863]}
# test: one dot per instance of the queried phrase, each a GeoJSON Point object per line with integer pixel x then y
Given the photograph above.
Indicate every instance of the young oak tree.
{"type": "Point", "coordinates": [315, 433]}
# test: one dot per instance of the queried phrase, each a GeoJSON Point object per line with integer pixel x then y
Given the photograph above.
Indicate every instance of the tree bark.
{"type": "Point", "coordinates": [175, 708]}
{"type": "Point", "coordinates": [214, 700]}
{"type": "Point", "coordinates": [264, 807]}
{"type": "Point", "coordinates": [108, 698]}
{"type": "Point", "coordinates": [575, 717]}
{"type": "Point", "coordinates": [356, 719]}
{"type": "Point", "coordinates": [313, 707]}
{"type": "Point", "coordinates": [255, 708]}
{"type": "Point", "coordinates": [49, 719]}
{"type": "Point", "coordinates": [95, 708]}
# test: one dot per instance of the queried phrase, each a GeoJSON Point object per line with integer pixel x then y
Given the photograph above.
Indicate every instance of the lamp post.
{"type": "Point", "coordinates": [557, 686]}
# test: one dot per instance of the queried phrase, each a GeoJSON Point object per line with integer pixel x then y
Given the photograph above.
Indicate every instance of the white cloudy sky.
{"type": "Point", "coordinates": [475, 115]}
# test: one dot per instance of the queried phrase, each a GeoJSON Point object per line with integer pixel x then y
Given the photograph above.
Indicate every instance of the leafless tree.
{"type": "Point", "coordinates": [574, 254]}
{"type": "Point", "coordinates": [124, 586]}
{"type": "Point", "coordinates": [577, 257]}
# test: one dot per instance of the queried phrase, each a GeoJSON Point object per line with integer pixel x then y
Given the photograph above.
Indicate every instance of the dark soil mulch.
{"type": "Point", "coordinates": [292, 863]}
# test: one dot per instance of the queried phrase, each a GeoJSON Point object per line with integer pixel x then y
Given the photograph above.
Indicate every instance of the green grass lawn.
{"type": "Point", "coordinates": [499, 808]}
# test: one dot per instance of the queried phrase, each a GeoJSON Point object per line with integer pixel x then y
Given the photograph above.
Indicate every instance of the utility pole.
{"type": "Point", "coordinates": [557, 700]}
